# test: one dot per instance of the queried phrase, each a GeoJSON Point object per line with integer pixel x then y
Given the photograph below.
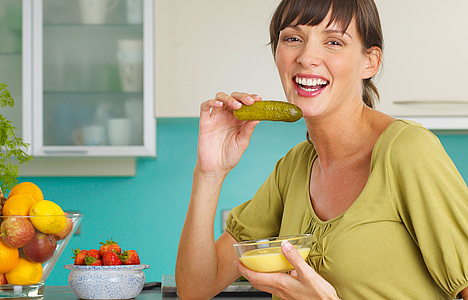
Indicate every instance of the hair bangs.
{"type": "Point", "coordinates": [313, 12]}
{"type": "Point", "coordinates": [305, 13]}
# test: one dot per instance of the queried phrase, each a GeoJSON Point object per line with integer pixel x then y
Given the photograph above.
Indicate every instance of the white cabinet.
{"type": "Point", "coordinates": [83, 80]}
{"type": "Point", "coordinates": [425, 63]}
{"type": "Point", "coordinates": [223, 47]}
{"type": "Point", "coordinates": [207, 46]}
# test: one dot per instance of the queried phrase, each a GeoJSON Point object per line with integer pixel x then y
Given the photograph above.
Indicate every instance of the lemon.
{"type": "Point", "coordinates": [25, 273]}
{"type": "Point", "coordinates": [47, 217]}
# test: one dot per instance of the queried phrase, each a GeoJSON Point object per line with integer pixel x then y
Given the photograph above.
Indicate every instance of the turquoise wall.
{"type": "Point", "coordinates": [146, 212]}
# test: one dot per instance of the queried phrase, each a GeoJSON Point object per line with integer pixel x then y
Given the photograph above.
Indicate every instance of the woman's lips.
{"type": "Point", "coordinates": [309, 86]}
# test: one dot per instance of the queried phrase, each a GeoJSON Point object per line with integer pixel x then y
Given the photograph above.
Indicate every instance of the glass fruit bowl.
{"type": "Point", "coordinates": [30, 253]}
{"type": "Point", "coordinates": [264, 255]}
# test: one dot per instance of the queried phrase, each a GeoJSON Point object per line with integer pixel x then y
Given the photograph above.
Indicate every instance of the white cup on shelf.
{"type": "Point", "coordinates": [94, 135]}
{"type": "Point", "coordinates": [134, 111]}
{"type": "Point", "coordinates": [119, 131]}
{"type": "Point", "coordinates": [95, 11]}
{"type": "Point", "coordinates": [104, 112]}
{"type": "Point", "coordinates": [130, 57]}
{"type": "Point", "coordinates": [130, 45]}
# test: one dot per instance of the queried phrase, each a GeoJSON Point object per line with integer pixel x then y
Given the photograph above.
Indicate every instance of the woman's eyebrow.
{"type": "Point", "coordinates": [330, 30]}
{"type": "Point", "coordinates": [295, 27]}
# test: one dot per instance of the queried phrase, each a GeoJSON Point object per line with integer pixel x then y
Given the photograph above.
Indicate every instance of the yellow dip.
{"type": "Point", "coordinates": [269, 260]}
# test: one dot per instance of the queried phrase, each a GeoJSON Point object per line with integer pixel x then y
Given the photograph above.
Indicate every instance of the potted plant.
{"type": "Point", "coordinates": [10, 147]}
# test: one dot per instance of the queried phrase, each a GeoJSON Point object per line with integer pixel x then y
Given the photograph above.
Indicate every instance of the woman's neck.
{"type": "Point", "coordinates": [338, 138]}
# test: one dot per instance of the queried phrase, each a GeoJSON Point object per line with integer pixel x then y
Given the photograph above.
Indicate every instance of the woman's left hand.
{"type": "Point", "coordinates": [302, 283]}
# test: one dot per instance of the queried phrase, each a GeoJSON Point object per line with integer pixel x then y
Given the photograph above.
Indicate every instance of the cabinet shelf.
{"type": "Point", "coordinates": [10, 53]}
{"type": "Point", "coordinates": [105, 25]}
{"type": "Point", "coordinates": [92, 93]}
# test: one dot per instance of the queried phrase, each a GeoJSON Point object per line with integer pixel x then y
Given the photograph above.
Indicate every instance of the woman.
{"type": "Point", "coordinates": [383, 201]}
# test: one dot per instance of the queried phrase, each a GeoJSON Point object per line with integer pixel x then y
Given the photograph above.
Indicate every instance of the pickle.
{"type": "Point", "coordinates": [269, 111]}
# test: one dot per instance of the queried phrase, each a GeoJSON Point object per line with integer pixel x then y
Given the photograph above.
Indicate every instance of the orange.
{"type": "Point", "coordinates": [25, 272]}
{"type": "Point", "coordinates": [8, 258]}
{"type": "Point", "coordinates": [27, 188]}
{"type": "Point", "coordinates": [47, 217]}
{"type": "Point", "coordinates": [18, 205]}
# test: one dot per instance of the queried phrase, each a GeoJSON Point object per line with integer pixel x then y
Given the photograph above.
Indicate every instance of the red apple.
{"type": "Point", "coordinates": [68, 227]}
{"type": "Point", "coordinates": [16, 232]}
{"type": "Point", "coordinates": [41, 248]}
{"type": "Point", "coordinates": [3, 279]}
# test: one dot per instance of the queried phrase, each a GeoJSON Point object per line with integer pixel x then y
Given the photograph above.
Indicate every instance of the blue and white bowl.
{"type": "Point", "coordinates": [106, 282]}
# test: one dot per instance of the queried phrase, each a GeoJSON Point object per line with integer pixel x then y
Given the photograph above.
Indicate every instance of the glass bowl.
{"type": "Point", "coordinates": [106, 282]}
{"type": "Point", "coordinates": [264, 255]}
{"type": "Point", "coordinates": [36, 289]}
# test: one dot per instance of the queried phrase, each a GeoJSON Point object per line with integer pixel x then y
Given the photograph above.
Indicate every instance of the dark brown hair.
{"type": "Point", "coordinates": [313, 12]}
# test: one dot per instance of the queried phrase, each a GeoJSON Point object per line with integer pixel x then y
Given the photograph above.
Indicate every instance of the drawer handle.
{"type": "Point", "coordinates": [58, 152]}
{"type": "Point", "coordinates": [429, 102]}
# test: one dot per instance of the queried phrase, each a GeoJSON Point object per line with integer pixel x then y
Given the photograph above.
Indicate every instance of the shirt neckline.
{"type": "Point", "coordinates": [311, 162]}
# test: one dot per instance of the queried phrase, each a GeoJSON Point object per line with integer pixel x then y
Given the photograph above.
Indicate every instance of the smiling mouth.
{"type": "Point", "coordinates": [310, 84]}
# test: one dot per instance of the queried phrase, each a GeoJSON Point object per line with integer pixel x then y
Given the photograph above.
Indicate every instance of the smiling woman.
{"type": "Point", "coordinates": [313, 13]}
{"type": "Point", "coordinates": [374, 192]}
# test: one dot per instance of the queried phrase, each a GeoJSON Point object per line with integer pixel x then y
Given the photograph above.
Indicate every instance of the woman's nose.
{"type": "Point", "coordinates": [310, 56]}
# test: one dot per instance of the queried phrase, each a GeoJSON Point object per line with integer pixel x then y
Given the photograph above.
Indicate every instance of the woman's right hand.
{"type": "Point", "coordinates": [222, 138]}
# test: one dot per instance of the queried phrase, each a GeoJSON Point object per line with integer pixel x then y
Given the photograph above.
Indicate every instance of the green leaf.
{"type": "Point", "coordinates": [10, 145]}
{"type": "Point", "coordinates": [5, 96]}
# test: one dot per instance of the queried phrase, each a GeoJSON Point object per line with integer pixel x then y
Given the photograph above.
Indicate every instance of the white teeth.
{"type": "Point", "coordinates": [311, 82]}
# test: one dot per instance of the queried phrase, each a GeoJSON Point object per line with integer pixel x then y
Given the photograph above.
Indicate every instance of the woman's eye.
{"type": "Point", "coordinates": [334, 43]}
{"type": "Point", "coordinates": [291, 39]}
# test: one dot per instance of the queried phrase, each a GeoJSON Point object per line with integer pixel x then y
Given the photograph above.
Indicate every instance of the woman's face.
{"type": "Point", "coordinates": [322, 68]}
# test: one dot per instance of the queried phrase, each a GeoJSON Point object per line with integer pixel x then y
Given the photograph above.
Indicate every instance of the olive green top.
{"type": "Point", "coordinates": [404, 237]}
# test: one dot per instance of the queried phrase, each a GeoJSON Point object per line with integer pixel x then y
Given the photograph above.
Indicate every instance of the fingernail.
{"type": "Point", "coordinates": [286, 245]}
{"type": "Point", "coordinates": [235, 263]}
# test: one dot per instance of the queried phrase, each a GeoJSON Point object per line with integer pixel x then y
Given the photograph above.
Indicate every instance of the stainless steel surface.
{"type": "Point", "coordinates": [169, 286]}
{"type": "Point", "coordinates": [64, 293]}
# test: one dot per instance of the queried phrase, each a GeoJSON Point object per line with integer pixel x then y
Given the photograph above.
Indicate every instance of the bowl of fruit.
{"type": "Point", "coordinates": [106, 273]}
{"type": "Point", "coordinates": [264, 255]}
{"type": "Point", "coordinates": [33, 235]}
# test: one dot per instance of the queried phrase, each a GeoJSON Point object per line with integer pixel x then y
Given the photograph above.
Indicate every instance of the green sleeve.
{"type": "Point", "coordinates": [259, 217]}
{"type": "Point", "coordinates": [431, 198]}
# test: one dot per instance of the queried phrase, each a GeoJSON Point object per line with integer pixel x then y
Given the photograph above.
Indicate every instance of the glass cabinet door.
{"type": "Point", "coordinates": [15, 57]}
{"type": "Point", "coordinates": [93, 78]}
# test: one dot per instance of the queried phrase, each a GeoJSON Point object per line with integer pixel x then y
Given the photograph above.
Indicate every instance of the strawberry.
{"type": "Point", "coordinates": [79, 256]}
{"type": "Point", "coordinates": [111, 259]}
{"type": "Point", "coordinates": [94, 253]}
{"type": "Point", "coordinates": [130, 257]}
{"type": "Point", "coordinates": [97, 262]}
{"type": "Point", "coordinates": [109, 246]}
{"type": "Point", "coordinates": [92, 261]}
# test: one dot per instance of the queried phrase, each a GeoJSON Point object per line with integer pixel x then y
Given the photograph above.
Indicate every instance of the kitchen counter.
{"type": "Point", "coordinates": [64, 293]}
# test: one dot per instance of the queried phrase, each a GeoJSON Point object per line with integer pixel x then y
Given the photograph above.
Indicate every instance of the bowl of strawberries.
{"type": "Point", "coordinates": [106, 273]}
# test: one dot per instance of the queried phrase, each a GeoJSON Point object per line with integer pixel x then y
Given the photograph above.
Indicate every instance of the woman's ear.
{"type": "Point", "coordinates": [373, 60]}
